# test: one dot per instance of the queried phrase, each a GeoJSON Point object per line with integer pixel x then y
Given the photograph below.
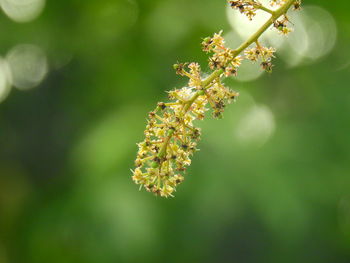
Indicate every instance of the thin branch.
{"type": "Point", "coordinates": [263, 8]}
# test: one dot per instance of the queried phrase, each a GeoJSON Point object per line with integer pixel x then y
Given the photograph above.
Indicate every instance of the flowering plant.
{"type": "Point", "coordinates": [171, 137]}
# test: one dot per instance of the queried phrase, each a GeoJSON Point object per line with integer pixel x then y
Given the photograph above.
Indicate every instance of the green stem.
{"type": "Point", "coordinates": [261, 7]}
{"type": "Point", "coordinates": [211, 78]}
{"type": "Point", "coordinates": [162, 150]}
{"type": "Point", "coordinates": [205, 84]}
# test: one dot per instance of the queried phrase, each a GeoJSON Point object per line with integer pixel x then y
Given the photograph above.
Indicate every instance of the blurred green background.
{"type": "Point", "coordinates": [77, 78]}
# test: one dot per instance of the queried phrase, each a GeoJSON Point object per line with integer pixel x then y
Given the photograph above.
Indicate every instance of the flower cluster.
{"type": "Point", "coordinates": [194, 73]}
{"type": "Point", "coordinates": [218, 97]}
{"type": "Point", "coordinates": [171, 136]}
{"type": "Point", "coordinates": [246, 7]}
{"type": "Point", "coordinates": [169, 142]}
{"type": "Point", "coordinates": [261, 53]}
{"type": "Point", "coordinates": [223, 57]}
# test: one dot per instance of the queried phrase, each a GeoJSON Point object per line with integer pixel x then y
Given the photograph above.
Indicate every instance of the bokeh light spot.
{"type": "Point", "coordinates": [314, 36]}
{"type": "Point", "coordinates": [322, 31]}
{"type": "Point", "coordinates": [256, 126]}
{"type": "Point", "coordinates": [249, 71]}
{"type": "Point", "coordinates": [28, 65]}
{"type": "Point", "coordinates": [22, 10]}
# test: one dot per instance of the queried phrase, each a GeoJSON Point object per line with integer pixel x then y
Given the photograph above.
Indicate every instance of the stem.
{"type": "Point", "coordinates": [217, 73]}
{"type": "Point", "coordinates": [261, 7]}
{"type": "Point", "coordinates": [211, 78]}
{"type": "Point", "coordinates": [205, 84]}
{"type": "Point", "coordinates": [162, 150]}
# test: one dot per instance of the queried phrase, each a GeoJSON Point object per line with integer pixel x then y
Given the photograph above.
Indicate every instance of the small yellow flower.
{"type": "Point", "coordinates": [218, 40]}
{"type": "Point", "coordinates": [167, 191]}
{"type": "Point", "coordinates": [160, 132]}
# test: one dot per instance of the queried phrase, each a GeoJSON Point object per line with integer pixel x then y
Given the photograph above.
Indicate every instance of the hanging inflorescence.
{"type": "Point", "coordinates": [171, 137]}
